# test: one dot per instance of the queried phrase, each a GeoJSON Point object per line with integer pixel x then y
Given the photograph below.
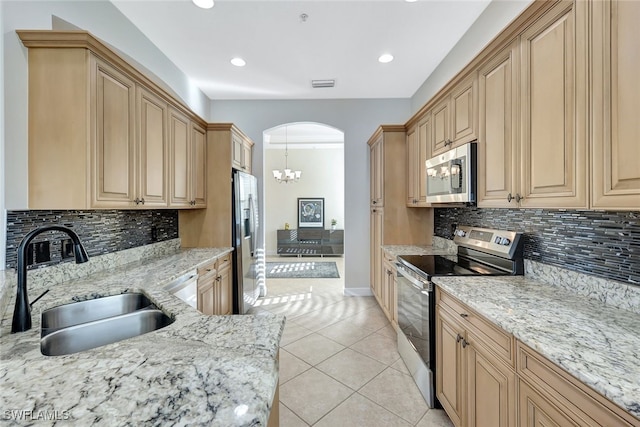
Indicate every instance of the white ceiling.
{"type": "Point", "coordinates": [340, 40]}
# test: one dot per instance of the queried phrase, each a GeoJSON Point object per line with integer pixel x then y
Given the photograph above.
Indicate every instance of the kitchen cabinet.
{"type": "Point", "coordinates": [242, 152]}
{"type": "Point", "coordinates": [98, 128]}
{"type": "Point", "coordinates": [553, 115]}
{"type": "Point", "coordinates": [418, 151]}
{"type": "Point", "coordinates": [498, 168]}
{"type": "Point", "coordinates": [615, 103]}
{"type": "Point", "coordinates": [215, 291]}
{"type": "Point", "coordinates": [188, 161]}
{"type": "Point", "coordinates": [388, 298]}
{"type": "Point", "coordinates": [475, 379]}
{"type": "Point", "coordinates": [211, 227]}
{"type": "Point", "coordinates": [550, 396]}
{"type": "Point", "coordinates": [391, 221]}
{"type": "Point", "coordinates": [455, 117]}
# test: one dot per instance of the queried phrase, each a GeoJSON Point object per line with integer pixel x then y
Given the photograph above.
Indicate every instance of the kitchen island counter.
{"type": "Point", "coordinates": [199, 370]}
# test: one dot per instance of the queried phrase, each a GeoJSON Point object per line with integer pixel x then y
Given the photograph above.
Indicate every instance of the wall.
{"type": "Point", "coordinates": [497, 15]}
{"type": "Point", "coordinates": [104, 21]}
{"type": "Point", "coordinates": [602, 244]}
{"type": "Point", "coordinates": [322, 176]}
{"type": "Point", "coordinates": [101, 232]}
{"type": "Point", "coordinates": [358, 119]}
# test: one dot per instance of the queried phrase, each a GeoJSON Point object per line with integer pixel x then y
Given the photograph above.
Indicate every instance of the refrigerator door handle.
{"type": "Point", "coordinates": [251, 226]}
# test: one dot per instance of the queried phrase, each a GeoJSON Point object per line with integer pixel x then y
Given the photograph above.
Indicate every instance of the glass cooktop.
{"type": "Point", "coordinates": [438, 265]}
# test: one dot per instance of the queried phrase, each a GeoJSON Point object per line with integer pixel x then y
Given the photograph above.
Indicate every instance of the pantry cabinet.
{"type": "Point", "coordinates": [615, 103]}
{"type": "Point", "coordinates": [100, 131]}
{"type": "Point", "coordinates": [391, 221]}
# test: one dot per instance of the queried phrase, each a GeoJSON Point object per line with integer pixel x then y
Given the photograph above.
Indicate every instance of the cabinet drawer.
{"type": "Point", "coordinates": [501, 343]}
{"type": "Point", "coordinates": [207, 268]}
{"type": "Point", "coordinates": [583, 405]}
{"type": "Point", "coordinates": [389, 258]}
{"type": "Point", "coordinates": [224, 261]}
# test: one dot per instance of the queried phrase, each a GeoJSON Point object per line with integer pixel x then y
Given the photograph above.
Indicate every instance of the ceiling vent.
{"type": "Point", "coordinates": [323, 83]}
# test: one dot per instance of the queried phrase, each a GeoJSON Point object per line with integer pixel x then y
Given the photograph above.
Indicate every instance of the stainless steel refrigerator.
{"type": "Point", "coordinates": [245, 240]}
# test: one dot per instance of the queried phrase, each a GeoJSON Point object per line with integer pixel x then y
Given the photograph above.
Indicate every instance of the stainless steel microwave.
{"type": "Point", "coordinates": [451, 176]}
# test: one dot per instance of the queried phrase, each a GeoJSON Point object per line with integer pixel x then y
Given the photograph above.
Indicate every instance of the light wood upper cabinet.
{"type": "Point", "coordinates": [187, 142]}
{"type": "Point", "coordinates": [153, 149]}
{"type": "Point", "coordinates": [615, 102]}
{"type": "Point", "coordinates": [376, 168]}
{"type": "Point", "coordinates": [418, 151]}
{"type": "Point", "coordinates": [498, 168]}
{"type": "Point", "coordinates": [100, 132]}
{"type": "Point", "coordinates": [553, 103]}
{"type": "Point", "coordinates": [113, 174]}
{"type": "Point", "coordinates": [455, 117]}
{"type": "Point", "coordinates": [242, 152]}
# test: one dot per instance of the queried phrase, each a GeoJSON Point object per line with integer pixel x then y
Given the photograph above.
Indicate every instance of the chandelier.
{"type": "Point", "coordinates": [287, 175]}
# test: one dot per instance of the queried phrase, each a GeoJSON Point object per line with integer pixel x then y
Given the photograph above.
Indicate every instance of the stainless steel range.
{"type": "Point", "coordinates": [481, 252]}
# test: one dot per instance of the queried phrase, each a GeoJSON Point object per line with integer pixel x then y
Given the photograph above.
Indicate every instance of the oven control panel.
{"type": "Point", "coordinates": [498, 242]}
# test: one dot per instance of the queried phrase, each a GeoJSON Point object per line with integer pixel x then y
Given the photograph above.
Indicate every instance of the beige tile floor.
{"type": "Point", "coordinates": [339, 365]}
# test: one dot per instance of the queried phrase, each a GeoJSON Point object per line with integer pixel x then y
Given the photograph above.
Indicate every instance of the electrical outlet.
{"type": "Point", "coordinates": [42, 250]}
{"type": "Point", "coordinates": [154, 234]}
{"type": "Point", "coordinates": [30, 250]}
{"type": "Point", "coordinates": [66, 249]}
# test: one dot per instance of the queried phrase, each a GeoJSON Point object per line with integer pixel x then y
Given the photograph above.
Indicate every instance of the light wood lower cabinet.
{"type": "Point", "coordinates": [389, 292]}
{"type": "Point", "coordinates": [215, 291]}
{"type": "Point", "coordinates": [474, 385]}
{"type": "Point", "coordinates": [485, 377]}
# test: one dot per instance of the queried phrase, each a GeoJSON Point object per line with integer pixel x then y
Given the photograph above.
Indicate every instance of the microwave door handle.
{"type": "Point", "coordinates": [455, 179]}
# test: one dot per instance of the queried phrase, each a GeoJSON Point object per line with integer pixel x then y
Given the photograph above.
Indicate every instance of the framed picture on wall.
{"type": "Point", "coordinates": [311, 212]}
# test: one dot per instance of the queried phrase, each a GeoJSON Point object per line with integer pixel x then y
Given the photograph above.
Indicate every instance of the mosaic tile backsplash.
{"type": "Point", "coordinates": [602, 244]}
{"type": "Point", "coordinates": [100, 231]}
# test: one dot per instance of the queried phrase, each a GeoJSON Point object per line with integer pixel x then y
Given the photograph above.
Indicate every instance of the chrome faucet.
{"type": "Point", "coordinates": [22, 311]}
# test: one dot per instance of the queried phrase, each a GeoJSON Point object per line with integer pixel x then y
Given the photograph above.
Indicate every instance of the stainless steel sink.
{"type": "Point", "coordinates": [97, 333]}
{"type": "Point", "coordinates": [77, 313]}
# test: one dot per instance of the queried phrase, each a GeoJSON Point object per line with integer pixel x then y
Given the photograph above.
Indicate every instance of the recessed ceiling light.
{"type": "Point", "coordinates": [385, 58]}
{"type": "Point", "coordinates": [238, 62]}
{"type": "Point", "coordinates": [205, 4]}
{"type": "Point", "coordinates": [411, 1]}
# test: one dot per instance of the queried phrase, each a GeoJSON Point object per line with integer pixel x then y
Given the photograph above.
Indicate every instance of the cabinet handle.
{"type": "Point", "coordinates": [458, 338]}
{"type": "Point", "coordinates": [465, 315]}
{"type": "Point", "coordinates": [136, 201]}
{"type": "Point", "coordinates": [373, 202]}
{"type": "Point", "coordinates": [509, 197]}
{"type": "Point", "coordinates": [465, 343]}
{"type": "Point", "coordinates": [519, 197]}
{"type": "Point", "coordinates": [142, 201]}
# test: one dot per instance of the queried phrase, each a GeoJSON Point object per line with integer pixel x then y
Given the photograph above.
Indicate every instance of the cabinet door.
{"type": "Point", "coordinates": [535, 411]}
{"type": "Point", "coordinates": [464, 111]}
{"type": "Point", "coordinates": [180, 158]}
{"type": "Point", "coordinates": [616, 105]}
{"type": "Point", "coordinates": [376, 172]}
{"type": "Point", "coordinates": [247, 156]}
{"type": "Point", "coordinates": [223, 293]}
{"type": "Point", "coordinates": [441, 127]}
{"type": "Point", "coordinates": [490, 386]}
{"type": "Point", "coordinates": [413, 173]}
{"type": "Point", "coordinates": [153, 150]}
{"type": "Point", "coordinates": [376, 225]}
{"type": "Point", "coordinates": [424, 152]}
{"type": "Point", "coordinates": [449, 368]}
{"type": "Point", "coordinates": [497, 139]}
{"type": "Point", "coordinates": [198, 166]}
{"type": "Point", "coordinates": [206, 293]}
{"type": "Point", "coordinates": [113, 147]}
{"type": "Point", "coordinates": [553, 116]}
{"type": "Point", "coordinates": [237, 152]}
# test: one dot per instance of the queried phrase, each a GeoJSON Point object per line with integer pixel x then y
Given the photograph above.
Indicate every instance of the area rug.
{"type": "Point", "coordinates": [302, 270]}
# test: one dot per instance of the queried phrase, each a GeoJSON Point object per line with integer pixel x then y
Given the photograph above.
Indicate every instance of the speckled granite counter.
{"type": "Point", "coordinates": [594, 342]}
{"type": "Point", "coordinates": [396, 250]}
{"type": "Point", "coordinates": [200, 370]}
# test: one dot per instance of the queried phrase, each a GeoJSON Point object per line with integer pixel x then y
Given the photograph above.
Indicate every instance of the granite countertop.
{"type": "Point", "coordinates": [396, 250]}
{"type": "Point", "coordinates": [199, 370]}
{"type": "Point", "coordinates": [597, 343]}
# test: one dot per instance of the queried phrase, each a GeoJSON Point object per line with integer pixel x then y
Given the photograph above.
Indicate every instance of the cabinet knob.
{"type": "Point", "coordinates": [142, 201]}
{"type": "Point", "coordinates": [458, 338]}
{"type": "Point", "coordinates": [465, 315]}
{"type": "Point", "coordinates": [519, 197]}
{"type": "Point", "coordinates": [136, 201]}
{"type": "Point", "coordinates": [373, 202]}
{"type": "Point", "coordinates": [465, 343]}
{"type": "Point", "coordinates": [509, 197]}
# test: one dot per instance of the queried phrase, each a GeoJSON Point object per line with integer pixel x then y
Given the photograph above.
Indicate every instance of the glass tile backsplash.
{"type": "Point", "coordinates": [101, 231]}
{"type": "Point", "coordinates": [603, 244]}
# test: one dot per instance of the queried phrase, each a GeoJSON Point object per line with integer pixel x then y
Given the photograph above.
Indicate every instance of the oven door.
{"type": "Point", "coordinates": [416, 305]}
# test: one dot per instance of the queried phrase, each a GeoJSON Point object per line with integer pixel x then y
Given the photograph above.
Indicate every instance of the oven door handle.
{"type": "Point", "coordinates": [424, 287]}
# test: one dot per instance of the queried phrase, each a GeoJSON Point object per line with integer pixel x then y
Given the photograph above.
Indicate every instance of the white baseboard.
{"type": "Point", "coordinates": [357, 292]}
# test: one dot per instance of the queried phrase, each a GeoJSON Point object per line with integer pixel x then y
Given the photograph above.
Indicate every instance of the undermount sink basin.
{"type": "Point", "coordinates": [81, 326]}
{"type": "Point", "coordinates": [77, 313]}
